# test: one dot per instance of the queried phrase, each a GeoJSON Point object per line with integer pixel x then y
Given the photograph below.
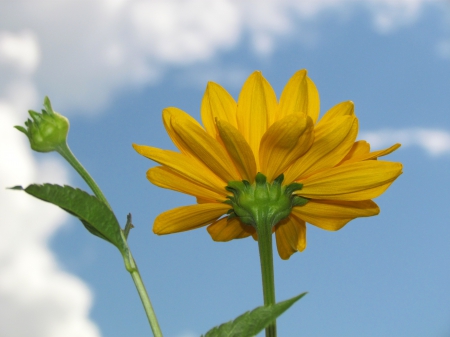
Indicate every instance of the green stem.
{"type": "Point", "coordinates": [63, 150]}
{"type": "Point", "coordinates": [266, 257]}
{"type": "Point", "coordinates": [134, 271]}
{"type": "Point", "coordinates": [130, 264]}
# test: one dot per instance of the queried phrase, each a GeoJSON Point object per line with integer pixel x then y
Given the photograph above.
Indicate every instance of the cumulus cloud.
{"type": "Point", "coordinates": [33, 287]}
{"type": "Point", "coordinates": [81, 52]}
{"type": "Point", "coordinates": [89, 49]}
{"type": "Point", "coordinates": [434, 141]}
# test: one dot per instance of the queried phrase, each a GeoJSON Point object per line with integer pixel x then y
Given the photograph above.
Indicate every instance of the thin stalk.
{"type": "Point", "coordinates": [145, 299]}
{"type": "Point", "coordinates": [267, 271]}
{"type": "Point", "coordinates": [130, 264]}
{"type": "Point", "coordinates": [63, 150]}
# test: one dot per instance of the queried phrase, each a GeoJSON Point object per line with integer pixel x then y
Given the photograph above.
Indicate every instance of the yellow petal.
{"type": "Point", "coordinates": [299, 96]}
{"type": "Point", "coordinates": [224, 230]}
{"type": "Point", "coordinates": [313, 100]}
{"type": "Point", "coordinates": [368, 156]}
{"type": "Point", "coordinates": [357, 181]}
{"type": "Point", "coordinates": [167, 178]}
{"type": "Point", "coordinates": [238, 149]}
{"type": "Point", "coordinates": [290, 235]}
{"type": "Point", "coordinates": [332, 215]}
{"type": "Point", "coordinates": [185, 166]}
{"type": "Point", "coordinates": [339, 110]}
{"type": "Point", "coordinates": [217, 103]}
{"type": "Point", "coordinates": [205, 148]}
{"type": "Point", "coordinates": [332, 142]}
{"type": "Point", "coordinates": [168, 114]}
{"type": "Point", "coordinates": [283, 143]}
{"type": "Point", "coordinates": [359, 148]}
{"type": "Point", "coordinates": [188, 217]}
{"type": "Point", "coordinates": [256, 104]}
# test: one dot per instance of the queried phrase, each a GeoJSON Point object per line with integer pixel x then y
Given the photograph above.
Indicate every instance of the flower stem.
{"type": "Point", "coordinates": [130, 264]}
{"type": "Point", "coordinates": [151, 316]}
{"type": "Point", "coordinates": [64, 151]}
{"type": "Point", "coordinates": [268, 281]}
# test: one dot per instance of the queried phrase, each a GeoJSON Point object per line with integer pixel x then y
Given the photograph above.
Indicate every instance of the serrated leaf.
{"type": "Point", "coordinates": [252, 322]}
{"type": "Point", "coordinates": [95, 215]}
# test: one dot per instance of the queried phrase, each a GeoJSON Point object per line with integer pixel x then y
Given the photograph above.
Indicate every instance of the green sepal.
{"type": "Point", "coordinates": [260, 178]}
{"type": "Point", "coordinates": [299, 201]}
{"type": "Point", "coordinates": [252, 322]}
{"type": "Point", "coordinates": [262, 200]}
{"type": "Point", "coordinates": [293, 187]}
{"type": "Point", "coordinates": [95, 215]}
{"type": "Point", "coordinates": [279, 179]}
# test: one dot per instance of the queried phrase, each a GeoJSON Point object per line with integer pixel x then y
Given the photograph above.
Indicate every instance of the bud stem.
{"type": "Point", "coordinates": [264, 231]}
{"type": "Point", "coordinates": [130, 264]}
{"type": "Point", "coordinates": [64, 151]}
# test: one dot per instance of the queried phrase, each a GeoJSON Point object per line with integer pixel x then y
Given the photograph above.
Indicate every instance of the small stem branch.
{"type": "Point", "coordinates": [267, 272]}
{"type": "Point", "coordinates": [65, 152]}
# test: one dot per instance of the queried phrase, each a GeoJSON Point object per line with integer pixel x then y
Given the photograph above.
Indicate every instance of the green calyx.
{"type": "Point", "coordinates": [263, 202]}
{"type": "Point", "coordinates": [46, 131]}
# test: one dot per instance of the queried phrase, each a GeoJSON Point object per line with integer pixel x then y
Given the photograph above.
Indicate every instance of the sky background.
{"type": "Point", "coordinates": [111, 66]}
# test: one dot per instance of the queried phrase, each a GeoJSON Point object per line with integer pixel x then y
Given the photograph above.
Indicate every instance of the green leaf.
{"type": "Point", "coordinates": [252, 322]}
{"type": "Point", "coordinates": [95, 215]}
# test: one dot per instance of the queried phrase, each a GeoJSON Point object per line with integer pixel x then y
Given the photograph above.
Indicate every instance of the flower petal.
{"type": "Point", "coordinates": [217, 103]}
{"type": "Point", "coordinates": [332, 142]}
{"type": "Point", "coordinates": [224, 230]}
{"type": "Point", "coordinates": [188, 217]}
{"type": "Point", "coordinates": [294, 96]}
{"type": "Point", "coordinates": [313, 100]}
{"type": "Point", "coordinates": [355, 157]}
{"type": "Point", "coordinates": [167, 178]}
{"type": "Point", "coordinates": [299, 96]}
{"type": "Point", "coordinates": [238, 149]}
{"type": "Point", "coordinates": [283, 143]}
{"type": "Point", "coordinates": [167, 115]}
{"type": "Point", "coordinates": [359, 148]}
{"type": "Point", "coordinates": [357, 181]}
{"type": "Point", "coordinates": [256, 104]}
{"type": "Point", "coordinates": [332, 215]}
{"type": "Point", "coordinates": [187, 167]}
{"type": "Point", "coordinates": [339, 110]}
{"type": "Point", "coordinates": [290, 235]}
{"type": "Point", "coordinates": [205, 148]}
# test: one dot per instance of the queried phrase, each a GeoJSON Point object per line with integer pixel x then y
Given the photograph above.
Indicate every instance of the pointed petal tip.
{"type": "Point", "coordinates": [257, 74]}
{"type": "Point", "coordinates": [136, 147]}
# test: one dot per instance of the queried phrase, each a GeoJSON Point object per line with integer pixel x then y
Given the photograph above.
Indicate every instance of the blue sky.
{"type": "Point", "coordinates": [112, 66]}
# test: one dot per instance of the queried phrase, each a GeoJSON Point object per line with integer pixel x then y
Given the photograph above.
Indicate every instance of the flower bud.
{"type": "Point", "coordinates": [47, 130]}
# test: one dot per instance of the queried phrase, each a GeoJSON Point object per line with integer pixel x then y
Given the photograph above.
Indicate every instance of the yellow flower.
{"type": "Point", "coordinates": [340, 175]}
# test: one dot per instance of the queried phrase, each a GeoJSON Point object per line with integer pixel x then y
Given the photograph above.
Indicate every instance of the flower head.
{"type": "Point", "coordinates": [46, 131]}
{"type": "Point", "coordinates": [330, 178]}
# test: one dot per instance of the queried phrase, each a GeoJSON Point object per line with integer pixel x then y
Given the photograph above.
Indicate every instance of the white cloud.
{"type": "Point", "coordinates": [434, 141]}
{"type": "Point", "coordinates": [37, 298]}
{"type": "Point", "coordinates": [33, 288]}
{"type": "Point", "coordinates": [19, 50]}
{"type": "Point", "coordinates": [81, 52]}
{"type": "Point", "coordinates": [89, 49]}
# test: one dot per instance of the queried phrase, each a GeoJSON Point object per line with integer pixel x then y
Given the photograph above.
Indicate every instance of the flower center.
{"type": "Point", "coordinates": [263, 202]}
